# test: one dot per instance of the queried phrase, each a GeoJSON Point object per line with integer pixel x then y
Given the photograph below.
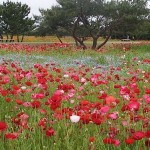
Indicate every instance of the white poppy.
{"type": "Point", "coordinates": [23, 87]}
{"type": "Point", "coordinates": [66, 76]}
{"type": "Point", "coordinates": [74, 118]}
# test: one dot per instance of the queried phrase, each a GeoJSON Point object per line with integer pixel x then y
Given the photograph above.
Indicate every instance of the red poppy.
{"type": "Point", "coordinates": [7, 100]}
{"type": "Point", "coordinates": [96, 118]}
{"type": "Point", "coordinates": [4, 93]}
{"type": "Point", "coordinates": [134, 106]}
{"type": "Point", "coordinates": [147, 134]}
{"type": "Point", "coordinates": [92, 139]}
{"type": "Point", "coordinates": [15, 87]}
{"type": "Point", "coordinates": [129, 141]}
{"type": "Point", "coordinates": [125, 108]}
{"type": "Point", "coordinates": [3, 126]}
{"type": "Point", "coordinates": [50, 132]}
{"type": "Point", "coordinates": [19, 102]}
{"type": "Point", "coordinates": [117, 86]}
{"type": "Point", "coordinates": [109, 141]}
{"type": "Point", "coordinates": [124, 90]}
{"type": "Point", "coordinates": [109, 100]}
{"type": "Point", "coordinates": [28, 83]}
{"type": "Point", "coordinates": [147, 91]}
{"type": "Point", "coordinates": [42, 123]}
{"type": "Point", "coordinates": [36, 104]}
{"type": "Point", "coordinates": [103, 96]}
{"type": "Point", "coordinates": [84, 102]}
{"type": "Point", "coordinates": [11, 136]}
{"type": "Point", "coordinates": [55, 101]}
{"type": "Point", "coordinates": [138, 135]}
{"type": "Point", "coordinates": [13, 65]}
{"type": "Point", "coordinates": [85, 118]}
{"type": "Point", "coordinates": [58, 115]}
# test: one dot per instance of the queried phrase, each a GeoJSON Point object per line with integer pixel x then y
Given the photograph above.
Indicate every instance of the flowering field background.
{"type": "Point", "coordinates": [51, 39]}
{"type": "Point", "coordinates": [44, 39]}
{"type": "Point", "coordinates": [60, 97]}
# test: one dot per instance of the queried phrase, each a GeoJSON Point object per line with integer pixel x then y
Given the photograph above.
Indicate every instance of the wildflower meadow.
{"type": "Point", "coordinates": [59, 97]}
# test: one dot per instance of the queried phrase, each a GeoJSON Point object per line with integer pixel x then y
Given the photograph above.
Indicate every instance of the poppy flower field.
{"type": "Point", "coordinates": [56, 97]}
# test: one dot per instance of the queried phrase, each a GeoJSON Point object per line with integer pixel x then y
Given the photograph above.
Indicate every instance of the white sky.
{"type": "Point", "coordinates": [35, 4]}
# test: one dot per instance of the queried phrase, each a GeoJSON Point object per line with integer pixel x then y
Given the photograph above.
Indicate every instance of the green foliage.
{"type": "Point", "coordinates": [94, 18]}
{"type": "Point", "coordinates": [14, 18]}
{"type": "Point", "coordinates": [143, 32]}
{"type": "Point", "coordinates": [133, 14]}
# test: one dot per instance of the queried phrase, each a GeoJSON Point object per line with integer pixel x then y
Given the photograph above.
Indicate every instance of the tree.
{"type": "Point", "coordinates": [133, 14]}
{"type": "Point", "coordinates": [94, 18]}
{"type": "Point", "coordinates": [14, 19]}
{"type": "Point", "coordinates": [1, 29]}
{"type": "Point", "coordinates": [143, 32]}
{"type": "Point", "coordinates": [101, 18]}
{"type": "Point", "coordinates": [52, 22]}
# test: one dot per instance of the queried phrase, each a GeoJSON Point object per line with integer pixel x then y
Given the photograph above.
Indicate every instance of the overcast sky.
{"type": "Point", "coordinates": [35, 4]}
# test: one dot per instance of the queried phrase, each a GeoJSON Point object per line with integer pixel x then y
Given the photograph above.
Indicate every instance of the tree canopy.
{"type": "Point", "coordinates": [80, 19]}
{"type": "Point", "coordinates": [94, 18]}
{"type": "Point", "coordinates": [14, 19]}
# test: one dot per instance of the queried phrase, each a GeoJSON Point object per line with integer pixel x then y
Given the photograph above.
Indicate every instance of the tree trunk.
{"type": "Point", "coordinates": [22, 38]}
{"type": "Point", "coordinates": [94, 43]}
{"type": "Point", "coordinates": [11, 37]}
{"type": "Point", "coordinates": [102, 44]}
{"type": "Point", "coordinates": [1, 36]}
{"type": "Point", "coordinates": [81, 42]}
{"type": "Point", "coordinates": [59, 39]}
{"type": "Point", "coordinates": [18, 38]}
{"type": "Point", "coordinates": [77, 44]}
